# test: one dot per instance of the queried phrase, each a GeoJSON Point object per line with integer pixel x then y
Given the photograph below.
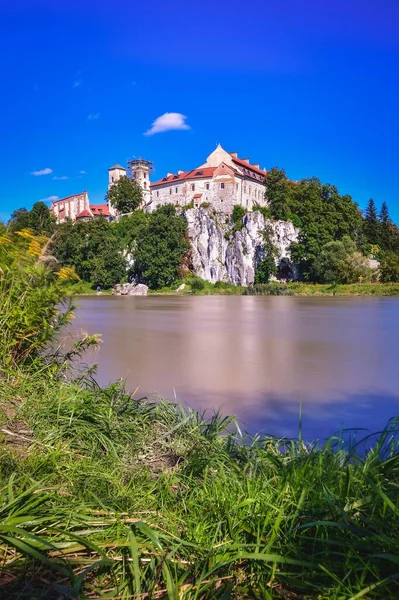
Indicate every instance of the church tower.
{"type": "Point", "coordinates": [139, 170]}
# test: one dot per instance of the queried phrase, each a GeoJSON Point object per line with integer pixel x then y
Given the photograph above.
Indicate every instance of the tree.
{"type": "Point", "coordinates": [93, 249]}
{"type": "Point", "coordinates": [390, 267]}
{"type": "Point", "coordinates": [371, 224]}
{"type": "Point", "coordinates": [125, 195]}
{"type": "Point", "coordinates": [161, 247]}
{"type": "Point", "coordinates": [325, 216]}
{"type": "Point", "coordinates": [385, 227]}
{"type": "Point", "coordinates": [340, 262]}
{"type": "Point", "coordinates": [265, 263]}
{"type": "Point", "coordinates": [20, 219]}
{"type": "Point", "coordinates": [278, 192]}
{"type": "Point", "coordinates": [39, 219]}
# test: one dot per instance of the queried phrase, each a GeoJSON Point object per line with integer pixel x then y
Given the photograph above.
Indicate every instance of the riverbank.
{"type": "Point", "coordinates": [275, 289]}
{"type": "Point", "coordinates": [103, 495]}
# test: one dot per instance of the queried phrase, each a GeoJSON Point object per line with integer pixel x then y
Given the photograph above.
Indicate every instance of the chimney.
{"type": "Point", "coordinates": [169, 174]}
{"type": "Point", "coordinates": [234, 154]}
{"type": "Point", "coordinates": [256, 166]}
{"type": "Point", "coordinates": [245, 160]}
{"type": "Point", "coordinates": [179, 172]}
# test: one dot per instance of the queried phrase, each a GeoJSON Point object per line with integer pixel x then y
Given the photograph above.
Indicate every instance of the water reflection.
{"type": "Point", "coordinates": [256, 357]}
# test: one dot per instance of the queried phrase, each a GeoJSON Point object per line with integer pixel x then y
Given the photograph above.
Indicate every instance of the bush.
{"type": "Point", "coordinates": [197, 284]}
{"type": "Point", "coordinates": [237, 217]}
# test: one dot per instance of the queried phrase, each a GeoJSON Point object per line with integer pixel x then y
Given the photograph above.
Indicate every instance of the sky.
{"type": "Point", "coordinates": [311, 86]}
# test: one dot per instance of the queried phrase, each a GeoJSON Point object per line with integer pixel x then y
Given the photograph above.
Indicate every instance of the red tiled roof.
{"type": "Point", "coordinates": [194, 174]}
{"type": "Point", "coordinates": [68, 197]}
{"type": "Point", "coordinates": [83, 213]}
{"type": "Point", "coordinates": [197, 195]}
{"type": "Point", "coordinates": [100, 209]}
{"type": "Point", "coordinates": [243, 163]}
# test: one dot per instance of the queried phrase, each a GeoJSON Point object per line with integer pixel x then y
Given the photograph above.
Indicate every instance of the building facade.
{"type": "Point", "coordinates": [223, 181]}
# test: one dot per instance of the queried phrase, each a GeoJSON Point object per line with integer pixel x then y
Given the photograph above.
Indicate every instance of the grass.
{"type": "Point", "coordinates": [104, 495]}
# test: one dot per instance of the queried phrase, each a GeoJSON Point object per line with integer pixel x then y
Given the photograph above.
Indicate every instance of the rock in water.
{"type": "Point", "coordinates": [139, 290]}
{"type": "Point", "coordinates": [220, 254]}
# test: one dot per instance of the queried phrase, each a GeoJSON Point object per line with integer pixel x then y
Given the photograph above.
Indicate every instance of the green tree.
{"type": "Point", "coordinates": [340, 262]}
{"type": "Point", "coordinates": [278, 193]}
{"type": "Point", "coordinates": [325, 216]}
{"type": "Point", "coordinates": [385, 227]}
{"type": "Point", "coordinates": [93, 249]}
{"type": "Point", "coordinates": [371, 223]}
{"type": "Point", "coordinates": [125, 195]}
{"type": "Point", "coordinates": [20, 219]}
{"type": "Point", "coordinates": [390, 267]}
{"type": "Point", "coordinates": [265, 262]}
{"type": "Point", "coordinates": [161, 247]}
{"type": "Point", "coordinates": [39, 219]}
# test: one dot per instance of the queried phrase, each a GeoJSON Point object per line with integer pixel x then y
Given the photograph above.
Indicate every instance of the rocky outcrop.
{"type": "Point", "coordinates": [130, 289]}
{"type": "Point", "coordinates": [220, 254]}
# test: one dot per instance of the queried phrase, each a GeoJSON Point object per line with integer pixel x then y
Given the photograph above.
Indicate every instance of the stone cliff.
{"type": "Point", "coordinates": [220, 254]}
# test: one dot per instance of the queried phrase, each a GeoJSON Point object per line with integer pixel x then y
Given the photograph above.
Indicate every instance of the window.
{"type": "Point", "coordinates": [207, 186]}
{"type": "Point", "coordinates": [170, 190]}
{"type": "Point", "coordinates": [157, 193]}
{"type": "Point", "coordinates": [145, 185]}
{"type": "Point", "coordinates": [145, 175]}
{"type": "Point", "coordinates": [245, 189]}
{"type": "Point", "coordinates": [193, 187]}
{"type": "Point", "coordinates": [222, 186]}
{"type": "Point", "coordinates": [176, 190]}
{"type": "Point", "coordinates": [112, 179]}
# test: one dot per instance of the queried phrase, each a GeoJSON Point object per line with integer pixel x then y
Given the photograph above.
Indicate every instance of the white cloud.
{"type": "Point", "coordinates": [46, 171]}
{"type": "Point", "coordinates": [77, 83]}
{"type": "Point", "coordinates": [60, 178]}
{"type": "Point", "coordinates": [93, 116]}
{"type": "Point", "coordinates": [82, 173]}
{"type": "Point", "coordinates": [49, 199]}
{"type": "Point", "coordinates": [167, 122]}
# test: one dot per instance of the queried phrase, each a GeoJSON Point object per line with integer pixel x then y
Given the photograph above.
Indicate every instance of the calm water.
{"type": "Point", "coordinates": [255, 357]}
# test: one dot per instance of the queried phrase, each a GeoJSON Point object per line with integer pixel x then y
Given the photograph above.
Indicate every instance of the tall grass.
{"type": "Point", "coordinates": [106, 496]}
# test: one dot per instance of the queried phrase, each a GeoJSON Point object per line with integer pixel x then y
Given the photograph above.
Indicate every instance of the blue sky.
{"type": "Point", "coordinates": [309, 85]}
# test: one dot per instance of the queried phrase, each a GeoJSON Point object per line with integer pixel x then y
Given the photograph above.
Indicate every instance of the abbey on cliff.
{"type": "Point", "coordinates": [223, 181]}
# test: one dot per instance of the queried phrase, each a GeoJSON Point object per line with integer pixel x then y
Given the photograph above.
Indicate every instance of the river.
{"type": "Point", "coordinates": [258, 358]}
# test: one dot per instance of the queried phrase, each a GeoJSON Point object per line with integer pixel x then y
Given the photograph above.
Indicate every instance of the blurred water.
{"type": "Point", "coordinates": [255, 357]}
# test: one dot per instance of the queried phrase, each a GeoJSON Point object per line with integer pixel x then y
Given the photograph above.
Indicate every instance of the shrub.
{"type": "Point", "coordinates": [197, 284]}
{"type": "Point", "coordinates": [237, 217]}
{"type": "Point", "coordinates": [268, 289]}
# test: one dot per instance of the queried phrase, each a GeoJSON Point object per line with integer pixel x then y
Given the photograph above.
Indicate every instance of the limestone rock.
{"type": "Point", "coordinates": [139, 290]}
{"type": "Point", "coordinates": [220, 255]}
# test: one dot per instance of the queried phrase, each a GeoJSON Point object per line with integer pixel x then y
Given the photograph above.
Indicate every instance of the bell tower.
{"type": "Point", "coordinates": [115, 173]}
{"type": "Point", "coordinates": [139, 170]}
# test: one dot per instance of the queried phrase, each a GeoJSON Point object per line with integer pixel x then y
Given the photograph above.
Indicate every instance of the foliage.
{"type": "Point", "coordinates": [125, 195]}
{"type": "Point", "coordinates": [266, 261]}
{"type": "Point", "coordinates": [32, 310]}
{"type": "Point", "coordinates": [325, 216]}
{"type": "Point", "coordinates": [279, 192]}
{"type": "Point", "coordinates": [371, 223]}
{"type": "Point", "coordinates": [92, 249]}
{"type": "Point", "coordinates": [340, 262]}
{"type": "Point", "coordinates": [390, 267]}
{"type": "Point", "coordinates": [196, 284]}
{"type": "Point", "coordinates": [128, 228]}
{"type": "Point", "coordinates": [264, 210]}
{"type": "Point", "coordinates": [39, 219]}
{"type": "Point", "coordinates": [237, 217]}
{"type": "Point", "coordinates": [161, 247]}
